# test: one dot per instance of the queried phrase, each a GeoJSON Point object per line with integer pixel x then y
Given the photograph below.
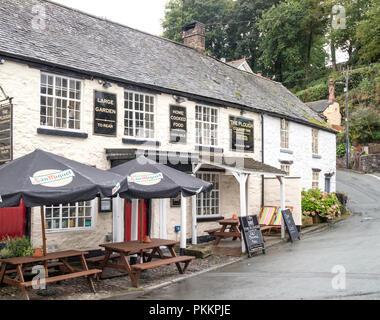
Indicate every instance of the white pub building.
{"type": "Point", "coordinates": [102, 93]}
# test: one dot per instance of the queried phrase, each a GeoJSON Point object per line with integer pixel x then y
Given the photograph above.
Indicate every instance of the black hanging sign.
{"type": "Point", "coordinates": [241, 134]}
{"type": "Point", "coordinates": [290, 225]}
{"type": "Point", "coordinates": [178, 124]}
{"type": "Point", "coordinates": [6, 149]}
{"type": "Point", "coordinates": [252, 235]}
{"type": "Point", "coordinates": [105, 114]}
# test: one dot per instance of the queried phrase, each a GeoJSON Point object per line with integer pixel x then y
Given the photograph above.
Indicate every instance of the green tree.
{"type": "Point", "coordinates": [292, 39]}
{"type": "Point", "coordinates": [344, 35]}
{"type": "Point", "coordinates": [368, 34]}
{"type": "Point", "coordinates": [215, 14]}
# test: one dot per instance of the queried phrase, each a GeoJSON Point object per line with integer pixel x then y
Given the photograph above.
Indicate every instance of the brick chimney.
{"type": "Point", "coordinates": [194, 36]}
{"type": "Point", "coordinates": [332, 90]}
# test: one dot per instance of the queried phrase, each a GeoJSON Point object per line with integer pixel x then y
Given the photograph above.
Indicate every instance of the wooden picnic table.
{"type": "Point", "coordinates": [147, 252]}
{"type": "Point", "coordinates": [232, 225]}
{"type": "Point", "coordinates": [20, 264]}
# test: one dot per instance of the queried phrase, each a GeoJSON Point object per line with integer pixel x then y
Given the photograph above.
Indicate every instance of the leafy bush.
{"type": "Point", "coordinates": [341, 150]}
{"type": "Point", "coordinates": [17, 247]}
{"type": "Point", "coordinates": [365, 125]}
{"type": "Point", "coordinates": [315, 202]}
{"type": "Point", "coordinates": [315, 93]}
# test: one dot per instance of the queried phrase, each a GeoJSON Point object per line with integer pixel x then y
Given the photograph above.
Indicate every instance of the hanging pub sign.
{"type": "Point", "coordinates": [5, 133]}
{"type": "Point", "coordinates": [178, 124]}
{"type": "Point", "coordinates": [241, 134]}
{"type": "Point", "coordinates": [105, 114]}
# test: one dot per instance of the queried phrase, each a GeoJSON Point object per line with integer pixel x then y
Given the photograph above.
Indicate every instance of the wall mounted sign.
{"type": "Point", "coordinates": [105, 205]}
{"type": "Point", "coordinates": [6, 148]}
{"type": "Point", "coordinates": [178, 124]}
{"type": "Point", "coordinates": [105, 114]}
{"type": "Point", "coordinates": [241, 134]}
{"type": "Point", "coordinates": [252, 235]}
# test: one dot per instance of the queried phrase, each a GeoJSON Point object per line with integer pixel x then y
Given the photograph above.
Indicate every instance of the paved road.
{"type": "Point", "coordinates": [304, 270]}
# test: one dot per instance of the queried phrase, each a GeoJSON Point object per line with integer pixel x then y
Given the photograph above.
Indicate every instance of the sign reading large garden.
{"type": "Point", "coordinates": [5, 132]}
{"type": "Point", "coordinates": [105, 114]}
{"type": "Point", "coordinates": [241, 134]}
{"type": "Point", "coordinates": [178, 124]}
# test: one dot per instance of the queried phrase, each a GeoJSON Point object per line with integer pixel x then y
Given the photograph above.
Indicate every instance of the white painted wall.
{"type": "Point", "coordinates": [301, 146]}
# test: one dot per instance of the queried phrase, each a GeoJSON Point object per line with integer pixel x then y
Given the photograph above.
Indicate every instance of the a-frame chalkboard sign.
{"type": "Point", "coordinates": [290, 225]}
{"type": "Point", "coordinates": [252, 236]}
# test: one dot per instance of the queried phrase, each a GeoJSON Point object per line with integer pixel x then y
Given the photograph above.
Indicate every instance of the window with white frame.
{"type": "Point", "coordinates": [315, 181]}
{"type": "Point", "coordinates": [208, 203]}
{"type": "Point", "coordinates": [70, 216]}
{"type": "Point", "coordinates": [138, 114]}
{"type": "Point", "coordinates": [314, 142]}
{"type": "Point", "coordinates": [284, 134]}
{"type": "Point", "coordinates": [60, 102]}
{"type": "Point", "coordinates": [286, 168]}
{"type": "Point", "coordinates": [206, 125]}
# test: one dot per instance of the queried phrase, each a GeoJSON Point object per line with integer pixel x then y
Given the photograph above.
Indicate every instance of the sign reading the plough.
{"type": "Point", "coordinates": [145, 178]}
{"type": "Point", "coordinates": [241, 134]}
{"type": "Point", "coordinates": [105, 114]}
{"type": "Point", "coordinates": [178, 124]}
{"type": "Point", "coordinates": [5, 133]}
{"type": "Point", "coordinates": [52, 178]}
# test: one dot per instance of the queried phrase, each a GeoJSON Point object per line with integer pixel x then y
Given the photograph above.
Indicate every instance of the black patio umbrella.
{"type": "Point", "coordinates": [42, 178]}
{"type": "Point", "coordinates": [144, 178]}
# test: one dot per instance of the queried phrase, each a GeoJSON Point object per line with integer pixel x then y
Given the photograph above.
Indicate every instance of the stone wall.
{"type": "Point", "coordinates": [370, 163]}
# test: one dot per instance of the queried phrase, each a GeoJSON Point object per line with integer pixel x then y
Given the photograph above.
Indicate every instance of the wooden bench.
{"type": "Point", "coordinates": [50, 265]}
{"type": "Point", "coordinates": [212, 231]}
{"type": "Point", "coordinates": [100, 259]}
{"type": "Point", "coordinates": [138, 268]}
{"type": "Point", "coordinates": [64, 277]}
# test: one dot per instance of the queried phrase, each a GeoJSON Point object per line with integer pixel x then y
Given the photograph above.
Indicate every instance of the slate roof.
{"type": "Point", "coordinates": [77, 41]}
{"type": "Point", "coordinates": [319, 106]}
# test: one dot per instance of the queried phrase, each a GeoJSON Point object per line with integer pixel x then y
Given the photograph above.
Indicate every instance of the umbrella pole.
{"type": "Point", "coordinates": [141, 220]}
{"type": "Point", "coordinates": [43, 230]}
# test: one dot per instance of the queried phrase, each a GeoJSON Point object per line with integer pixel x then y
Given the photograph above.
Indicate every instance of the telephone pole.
{"type": "Point", "coordinates": [348, 149]}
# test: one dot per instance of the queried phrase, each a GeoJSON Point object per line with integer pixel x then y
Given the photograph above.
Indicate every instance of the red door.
{"type": "Point", "coordinates": [12, 222]}
{"type": "Point", "coordinates": [128, 219]}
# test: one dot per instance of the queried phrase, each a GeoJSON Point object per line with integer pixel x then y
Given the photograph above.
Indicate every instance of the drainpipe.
{"type": "Point", "coordinates": [262, 158]}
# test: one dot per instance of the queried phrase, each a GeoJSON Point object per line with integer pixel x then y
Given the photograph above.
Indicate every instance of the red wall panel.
{"type": "Point", "coordinates": [12, 222]}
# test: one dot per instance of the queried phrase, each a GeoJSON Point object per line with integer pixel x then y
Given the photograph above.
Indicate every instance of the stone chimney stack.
{"type": "Point", "coordinates": [332, 90]}
{"type": "Point", "coordinates": [194, 36]}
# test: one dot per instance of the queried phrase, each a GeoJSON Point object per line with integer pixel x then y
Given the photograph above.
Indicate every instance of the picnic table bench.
{"type": "Point", "coordinates": [232, 225]}
{"type": "Point", "coordinates": [147, 252]}
{"type": "Point", "coordinates": [20, 264]}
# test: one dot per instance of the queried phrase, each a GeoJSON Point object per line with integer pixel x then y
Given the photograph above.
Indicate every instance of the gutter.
{"type": "Point", "coordinates": [32, 62]}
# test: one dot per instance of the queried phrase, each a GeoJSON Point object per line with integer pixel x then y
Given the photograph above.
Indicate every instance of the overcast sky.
{"type": "Point", "coordinates": [144, 15]}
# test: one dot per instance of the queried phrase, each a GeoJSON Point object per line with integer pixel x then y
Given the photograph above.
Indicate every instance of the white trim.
{"type": "Point", "coordinates": [202, 122]}
{"type": "Point", "coordinates": [57, 230]}
{"type": "Point", "coordinates": [134, 117]}
{"type": "Point", "coordinates": [201, 195]}
{"type": "Point", "coordinates": [54, 97]}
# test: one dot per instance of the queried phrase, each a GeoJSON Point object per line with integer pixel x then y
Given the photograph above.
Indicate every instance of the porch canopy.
{"type": "Point", "coordinates": [42, 178]}
{"type": "Point", "coordinates": [241, 168]}
{"type": "Point", "coordinates": [147, 179]}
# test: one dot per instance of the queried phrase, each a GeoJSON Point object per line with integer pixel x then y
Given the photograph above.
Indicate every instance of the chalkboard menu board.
{"type": "Point", "coordinates": [105, 114]}
{"type": "Point", "coordinates": [178, 124]}
{"type": "Point", "coordinates": [5, 132]}
{"type": "Point", "coordinates": [290, 225]}
{"type": "Point", "coordinates": [253, 238]}
{"type": "Point", "coordinates": [241, 134]}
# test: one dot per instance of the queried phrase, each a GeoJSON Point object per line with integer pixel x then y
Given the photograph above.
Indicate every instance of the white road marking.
{"type": "Point", "coordinates": [372, 175]}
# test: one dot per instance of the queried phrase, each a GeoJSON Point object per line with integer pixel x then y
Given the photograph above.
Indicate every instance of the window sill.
{"type": "Point", "coordinates": [62, 133]}
{"type": "Point", "coordinates": [209, 149]}
{"type": "Point", "coordinates": [142, 142]}
{"type": "Point", "coordinates": [286, 151]}
{"type": "Point", "coordinates": [70, 230]}
{"type": "Point", "coordinates": [316, 156]}
{"type": "Point", "coordinates": [209, 219]}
